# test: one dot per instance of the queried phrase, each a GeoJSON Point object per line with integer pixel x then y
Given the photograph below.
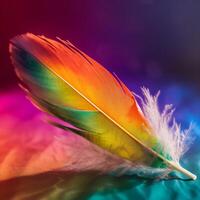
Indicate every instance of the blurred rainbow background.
{"type": "Point", "coordinates": [146, 43]}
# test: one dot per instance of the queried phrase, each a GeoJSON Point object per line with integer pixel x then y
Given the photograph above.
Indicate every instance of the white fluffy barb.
{"type": "Point", "coordinates": [174, 141]}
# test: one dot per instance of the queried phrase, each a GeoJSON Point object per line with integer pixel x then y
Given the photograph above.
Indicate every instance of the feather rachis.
{"type": "Point", "coordinates": [55, 56]}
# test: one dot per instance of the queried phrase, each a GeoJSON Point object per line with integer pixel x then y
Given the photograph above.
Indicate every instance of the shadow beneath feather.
{"type": "Point", "coordinates": [62, 185]}
{"type": "Point", "coordinates": [66, 186]}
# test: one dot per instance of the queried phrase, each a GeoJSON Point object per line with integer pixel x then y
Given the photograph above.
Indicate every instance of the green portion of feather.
{"type": "Point", "coordinates": [43, 83]}
{"type": "Point", "coordinates": [79, 118]}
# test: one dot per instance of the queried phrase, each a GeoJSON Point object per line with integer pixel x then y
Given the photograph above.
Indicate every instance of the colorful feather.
{"type": "Point", "coordinates": [66, 83]}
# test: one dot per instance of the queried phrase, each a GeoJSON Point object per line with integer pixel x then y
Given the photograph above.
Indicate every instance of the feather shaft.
{"type": "Point", "coordinates": [68, 68]}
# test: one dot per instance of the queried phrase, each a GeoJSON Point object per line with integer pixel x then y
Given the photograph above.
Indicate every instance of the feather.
{"type": "Point", "coordinates": [64, 82]}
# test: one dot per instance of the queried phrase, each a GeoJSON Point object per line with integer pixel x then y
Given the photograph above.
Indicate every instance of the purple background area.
{"type": "Point", "coordinates": [149, 40]}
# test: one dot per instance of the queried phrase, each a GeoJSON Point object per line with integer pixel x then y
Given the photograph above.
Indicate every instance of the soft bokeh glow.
{"type": "Point", "coordinates": [146, 43]}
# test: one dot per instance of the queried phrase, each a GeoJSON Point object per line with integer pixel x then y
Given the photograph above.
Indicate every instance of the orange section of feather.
{"type": "Point", "coordinates": [92, 80]}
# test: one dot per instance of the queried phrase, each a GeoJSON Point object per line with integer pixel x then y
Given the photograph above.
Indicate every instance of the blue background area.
{"type": "Point", "coordinates": [146, 43]}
